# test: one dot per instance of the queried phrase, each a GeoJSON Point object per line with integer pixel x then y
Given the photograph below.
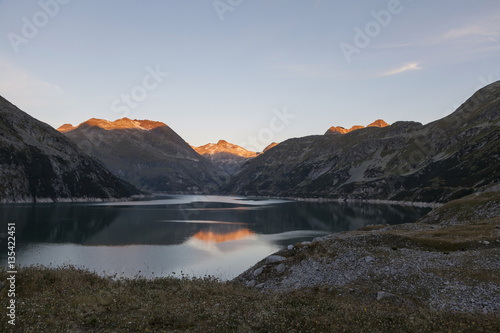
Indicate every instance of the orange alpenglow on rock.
{"type": "Point", "coordinates": [224, 147]}
{"type": "Point", "coordinates": [123, 123]}
{"type": "Point", "coordinates": [213, 237]}
{"type": "Point", "coordinates": [66, 128]}
{"type": "Point", "coordinates": [272, 145]}
{"type": "Point", "coordinates": [342, 130]}
{"type": "Point", "coordinates": [378, 123]}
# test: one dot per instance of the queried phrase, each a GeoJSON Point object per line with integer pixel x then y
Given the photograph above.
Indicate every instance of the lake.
{"type": "Point", "coordinates": [173, 235]}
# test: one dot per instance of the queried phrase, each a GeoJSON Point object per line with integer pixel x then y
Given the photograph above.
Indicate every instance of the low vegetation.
{"type": "Point", "coordinates": [69, 299]}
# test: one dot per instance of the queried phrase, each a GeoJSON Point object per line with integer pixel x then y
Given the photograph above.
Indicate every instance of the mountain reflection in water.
{"type": "Point", "coordinates": [166, 235]}
{"type": "Point", "coordinates": [214, 237]}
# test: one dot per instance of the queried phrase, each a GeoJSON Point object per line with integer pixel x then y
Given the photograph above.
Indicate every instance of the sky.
{"type": "Point", "coordinates": [247, 71]}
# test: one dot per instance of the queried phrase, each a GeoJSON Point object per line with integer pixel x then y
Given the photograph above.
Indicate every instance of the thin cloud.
{"type": "Point", "coordinates": [471, 34]}
{"type": "Point", "coordinates": [21, 87]}
{"type": "Point", "coordinates": [473, 31]}
{"type": "Point", "coordinates": [413, 66]}
{"type": "Point", "coordinates": [477, 32]}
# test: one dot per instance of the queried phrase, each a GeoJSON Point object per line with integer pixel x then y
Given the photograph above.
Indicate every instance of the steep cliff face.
{"type": "Point", "coordinates": [147, 154]}
{"type": "Point", "coordinates": [440, 161]}
{"type": "Point", "coordinates": [39, 163]}
{"type": "Point", "coordinates": [227, 156]}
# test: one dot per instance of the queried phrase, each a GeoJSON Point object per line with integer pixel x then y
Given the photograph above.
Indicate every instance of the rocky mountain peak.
{"type": "Point", "coordinates": [227, 156]}
{"type": "Point", "coordinates": [66, 128]}
{"type": "Point", "coordinates": [156, 160]}
{"type": "Point", "coordinates": [272, 145]}
{"type": "Point", "coordinates": [378, 123]}
{"type": "Point", "coordinates": [481, 106]}
{"type": "Point", "coordinates": [124, 123]}
{"type": "Point", "coordinates": [343, 130]}
{"type": "Point", "coordinates": [222, 146]}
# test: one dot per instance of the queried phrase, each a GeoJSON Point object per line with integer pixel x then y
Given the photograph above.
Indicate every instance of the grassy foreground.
{"type": "Point", "coordinates": [74, 300]}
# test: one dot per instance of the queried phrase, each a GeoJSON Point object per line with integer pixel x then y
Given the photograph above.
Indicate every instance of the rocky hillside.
{"type": "Point", "coordinates": [38, 163]}
{"type": "Point", "coordinates": [227, 156]}
{"type": "Point", "coordinates": [149, 155]}
{"type": "Point", "coordinates": [407, 161]}
{"type": "Point", "coordinates": [449, 260]}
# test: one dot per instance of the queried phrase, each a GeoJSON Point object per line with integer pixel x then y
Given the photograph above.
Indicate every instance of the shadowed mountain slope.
{"type": "Point", "coordinates": [407, 161]}
{"type": "Point", "coordinates": [39, 163]}
{"type": "Point", "coordinates": [148, 154]}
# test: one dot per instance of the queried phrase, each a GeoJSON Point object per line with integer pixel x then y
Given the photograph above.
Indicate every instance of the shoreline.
{"type": "Point", "coordinates": [379, 202]}
{"type": "Point", "coordinates": [153, 195]}
{"type": "Point", "coordinates": [369, 201]}
{"type": "Point", "coordinates": [71, 200]}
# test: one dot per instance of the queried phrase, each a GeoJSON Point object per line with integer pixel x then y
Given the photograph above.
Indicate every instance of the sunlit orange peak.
{"type": "Point", "coordinates": [212, 237]}
{"type": "Point", "coordinates": [224, 147]}
{"type": "Point", "coordinates": [66, 128]}
{"type": "Point", "coordinates": [342, 130]}
{"type": "Point", "coordinates": [124, 123]}
{"type": "Point", "coordinates": [272, 145]}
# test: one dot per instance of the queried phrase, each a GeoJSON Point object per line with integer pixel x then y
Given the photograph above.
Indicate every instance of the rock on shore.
{"type": "Point", "coordinates": [449, 260]}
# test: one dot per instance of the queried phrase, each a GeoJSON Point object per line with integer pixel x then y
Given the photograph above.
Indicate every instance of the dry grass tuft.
{"type": "Point", "coordinates": [71, 299]}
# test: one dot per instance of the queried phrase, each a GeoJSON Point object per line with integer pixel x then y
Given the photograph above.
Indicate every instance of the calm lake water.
{"type": "Point", "coordinates": [195, 235]}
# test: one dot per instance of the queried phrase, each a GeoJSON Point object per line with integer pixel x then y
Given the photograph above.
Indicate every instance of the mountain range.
{"type": "Point", "coordinates": [37, 163]}
{"type": "Point", "coordinates": [150, 169]}
{"type": "Point", "coordinates": [406, 161]}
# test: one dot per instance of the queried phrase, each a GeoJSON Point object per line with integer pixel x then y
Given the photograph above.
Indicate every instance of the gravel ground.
{"type": "Point", "coordinates": [443, 266]}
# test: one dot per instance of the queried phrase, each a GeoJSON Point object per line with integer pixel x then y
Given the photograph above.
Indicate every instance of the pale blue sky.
{"type": "Point", "coordinates": [228, 78]}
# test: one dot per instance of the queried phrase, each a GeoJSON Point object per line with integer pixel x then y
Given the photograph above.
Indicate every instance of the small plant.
{"type": "Point", "coordinates": [72, 299]}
